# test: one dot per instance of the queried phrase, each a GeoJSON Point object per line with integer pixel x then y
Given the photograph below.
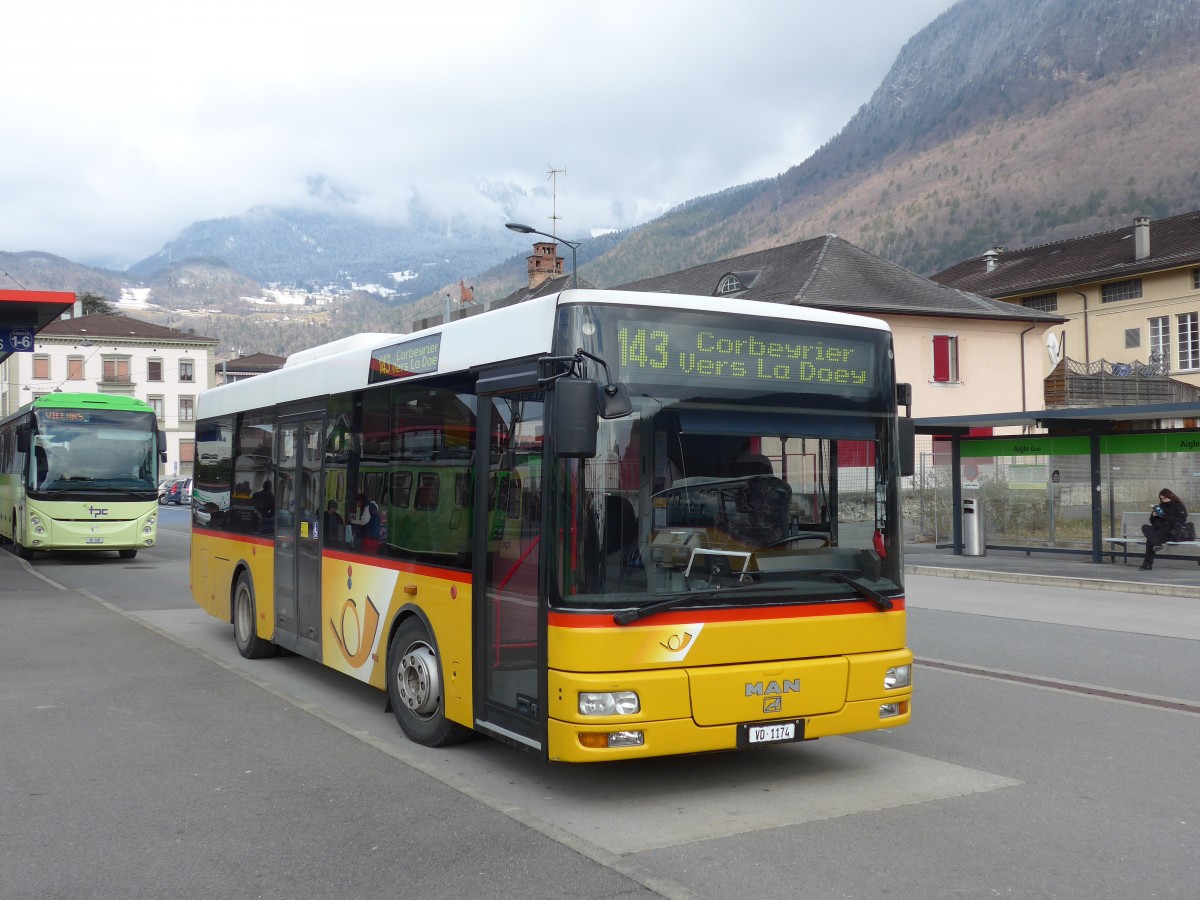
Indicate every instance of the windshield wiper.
{"type": "Point", "coordinates": [630, 616]}
{"type": "Point", "coordinates": [874, 596]}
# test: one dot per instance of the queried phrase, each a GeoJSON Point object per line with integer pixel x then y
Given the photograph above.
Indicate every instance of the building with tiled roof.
{"type": "Point", "coordinates": [1130, 300]}
{"type": "Point", "coordinates": [112, 354]}
{"type": "Point", "coordinates": [962, 352]}
{"type": "Point", "coordinates": [248, 366]}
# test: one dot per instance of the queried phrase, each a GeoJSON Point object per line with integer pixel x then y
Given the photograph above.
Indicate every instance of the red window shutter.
{"type": "Point", "coordinates": [855, 454]}
{"type": "Point", "coordinates": [941, 357]}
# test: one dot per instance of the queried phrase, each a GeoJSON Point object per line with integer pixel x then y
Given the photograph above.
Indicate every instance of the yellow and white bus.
{"type": "Point", "coordinates": [596, 525]}
{"type": "Point", "coordinates": [80, 472]}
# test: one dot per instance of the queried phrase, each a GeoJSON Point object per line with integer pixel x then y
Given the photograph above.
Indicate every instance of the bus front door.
{"type": "Point", "coordinates": [510, 661]}
{"type": "Point", "coordinates": [297, 538]}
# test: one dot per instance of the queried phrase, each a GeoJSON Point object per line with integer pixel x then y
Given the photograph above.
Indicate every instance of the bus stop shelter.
{"type": "Point", "coordinates": [24, 313]}
{"type": "Point", "coordinates": [1079, 431]}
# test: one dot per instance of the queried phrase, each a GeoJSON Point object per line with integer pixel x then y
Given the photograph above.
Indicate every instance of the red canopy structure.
{"type": "Point", "coordinates": [24, 313]}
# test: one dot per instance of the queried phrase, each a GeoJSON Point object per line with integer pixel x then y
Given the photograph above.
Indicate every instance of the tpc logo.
{"type": "Point", "coordinates": [98, 511]}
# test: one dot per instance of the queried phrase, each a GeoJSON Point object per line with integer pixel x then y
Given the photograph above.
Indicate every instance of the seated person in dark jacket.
{"type": "Point", "coordinates": [1163, 518]}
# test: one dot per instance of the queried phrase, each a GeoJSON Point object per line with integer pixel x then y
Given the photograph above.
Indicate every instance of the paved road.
{"type": "Point", "coordinates": [143, 757]}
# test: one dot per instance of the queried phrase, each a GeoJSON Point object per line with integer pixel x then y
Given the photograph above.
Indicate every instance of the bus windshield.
{"type": "Point", "coordinates": [726, 485]}
{"type": "Point", "coordinates": [91, 450]}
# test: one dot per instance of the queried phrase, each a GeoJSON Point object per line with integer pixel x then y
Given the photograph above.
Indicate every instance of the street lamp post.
{"type": "Point", "coordinates": [574, 245]}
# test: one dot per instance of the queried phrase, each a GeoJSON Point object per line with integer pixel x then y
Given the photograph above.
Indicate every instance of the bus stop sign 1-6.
{"type": "Point", "coordinates": [16, 340]}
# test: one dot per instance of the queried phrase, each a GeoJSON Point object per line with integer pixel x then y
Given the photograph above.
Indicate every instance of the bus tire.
{"type": "Point", "coordinates": [245, 615]}
{"type": "Point", "coordinates": [22, 551]}
{"type": "Point", "coordinates": [416, 688]}
{"type": "Point", "coordinates": [128, 553]}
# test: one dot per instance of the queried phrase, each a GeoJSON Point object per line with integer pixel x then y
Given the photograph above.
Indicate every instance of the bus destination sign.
{"type": "Point", "coordinates": [735, 358]}
{"type": "Point", "coordinates": [415, 357]}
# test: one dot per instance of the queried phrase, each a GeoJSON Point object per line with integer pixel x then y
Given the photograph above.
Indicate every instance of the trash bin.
{"type": "Point", "coordinates": [974, 536]}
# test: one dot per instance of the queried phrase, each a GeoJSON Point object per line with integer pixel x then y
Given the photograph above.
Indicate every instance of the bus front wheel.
{"type": "Point", "coordinates": [22, 551]}
{"type": "Point", "coordinates": [416, 688]}
{"type": "Point", "coordinates": [128, 553]}
{"type": "Point", "coordinates": [245, 630]}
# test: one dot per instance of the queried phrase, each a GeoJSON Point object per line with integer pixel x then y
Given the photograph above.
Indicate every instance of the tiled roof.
{"type": "Point", "coordinates": [1174, 242]}
{"type": "Point", "coordinates": [255, 362]}
{"type": "Point", "coordinates": [549, 286]}
{"type": "Point", "coordinates": [100, 325]}
{"type": "Point", "coordinates": [831, 273]}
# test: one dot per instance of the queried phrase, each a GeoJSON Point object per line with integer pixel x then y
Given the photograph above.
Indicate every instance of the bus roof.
{"type": "Point", "coordinates": [513, 333]}
{"type": "Point", "coordinates": [63, 400]}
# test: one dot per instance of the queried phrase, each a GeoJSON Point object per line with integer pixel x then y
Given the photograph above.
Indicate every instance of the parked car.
{"type": "Point", "coordinates": [178, 492]}
{"type": "Point", "coordinates": [163, 487]}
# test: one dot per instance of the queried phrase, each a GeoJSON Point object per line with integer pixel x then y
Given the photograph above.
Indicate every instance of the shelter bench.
{"type": "Point", "coordinates": [1131, 535]}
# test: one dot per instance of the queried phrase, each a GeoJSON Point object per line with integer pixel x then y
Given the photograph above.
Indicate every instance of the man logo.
{"type": "Point", "coordinates": [758, 689]}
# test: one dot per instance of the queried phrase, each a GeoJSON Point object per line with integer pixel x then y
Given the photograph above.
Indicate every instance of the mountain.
{"type": "Point", "coordinates": [1003, 122]}
{"type": "Point", "coordinates": [303, 247]}
{"type": "Point", "coordinates": [45, 272]}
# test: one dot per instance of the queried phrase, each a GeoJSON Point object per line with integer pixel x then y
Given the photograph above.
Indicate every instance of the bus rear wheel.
{"type": "Point", "coordinates": [416, 688]}
{"type": "Point", "coordinates": [245, 618]}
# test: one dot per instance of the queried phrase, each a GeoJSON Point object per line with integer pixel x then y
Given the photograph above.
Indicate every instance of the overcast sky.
{"type": "Point", "coordinates": [125, 121]}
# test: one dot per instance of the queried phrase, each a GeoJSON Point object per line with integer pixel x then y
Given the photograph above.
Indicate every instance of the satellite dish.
{"type": "Point", "coordinates": [1053, 348]}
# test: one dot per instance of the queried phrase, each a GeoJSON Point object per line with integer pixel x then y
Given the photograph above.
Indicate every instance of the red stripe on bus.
{"type": "Point", "coordinates": [756, 614]}
{"type": "Point", "coordinates": [397, 565]}
{"type": "Point", "coordinates": [240, 538]}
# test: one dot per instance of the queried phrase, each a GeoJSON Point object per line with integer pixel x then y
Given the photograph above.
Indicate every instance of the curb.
{"type": "Point", "coordinates": [1062, 581]}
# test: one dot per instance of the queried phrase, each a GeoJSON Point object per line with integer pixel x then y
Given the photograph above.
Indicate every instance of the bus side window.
{"type": "Point", "coordinates": [428, 491]}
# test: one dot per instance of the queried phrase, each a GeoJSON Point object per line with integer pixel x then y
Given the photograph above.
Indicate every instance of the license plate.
{"type": "Point", "coordinates": [94, 541]}
{"type": "Point", "coordinates": [770, 733]}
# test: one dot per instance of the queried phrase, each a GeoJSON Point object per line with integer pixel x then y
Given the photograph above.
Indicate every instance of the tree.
{"type": "Point", "coordinates": [94, 303]}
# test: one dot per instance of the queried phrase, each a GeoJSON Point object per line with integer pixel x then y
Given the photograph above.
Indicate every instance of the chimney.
{"type": "Point", "coordinates": [1141, 237]}
{"type": "Point", "coordinates": [544, 264]}
{"type": "Point", "coordinates": [991, 258]}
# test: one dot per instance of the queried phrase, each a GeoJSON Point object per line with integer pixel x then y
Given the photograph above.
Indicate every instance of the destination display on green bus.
{"type": "Point", "coordinates": [415, 357]}
{"type": "Point", "coordinates": [738, 358]}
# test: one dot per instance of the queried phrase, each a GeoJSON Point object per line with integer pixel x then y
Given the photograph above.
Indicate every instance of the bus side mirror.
{"type": "Point", "coordinates": [23, 440]}
{"type": "Point", "coordinates": [162, 445]}
{"type": "Point", "coordinates": [576, 407]}
{"type": "Point", "coordinates": [614, 401]}
{"type": "Point", "coordinates": [907, 446]}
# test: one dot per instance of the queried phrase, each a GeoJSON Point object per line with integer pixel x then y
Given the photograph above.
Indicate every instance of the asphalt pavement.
{"type": "Point", "coordinates": [126, 768]}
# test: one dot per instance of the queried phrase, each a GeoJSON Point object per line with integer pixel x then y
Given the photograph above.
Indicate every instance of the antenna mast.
{"type": "Point", "coordinates": [552, 177]}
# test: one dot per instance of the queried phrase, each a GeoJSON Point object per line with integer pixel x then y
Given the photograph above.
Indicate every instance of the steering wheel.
{"type": "Point", "coordinates": [823, 537]}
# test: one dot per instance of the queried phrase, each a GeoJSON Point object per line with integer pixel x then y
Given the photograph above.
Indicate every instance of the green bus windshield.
{"type": "Point", "coordinates": [93, 449]}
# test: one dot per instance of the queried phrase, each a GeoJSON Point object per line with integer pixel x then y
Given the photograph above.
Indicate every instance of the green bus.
{"type": "Point", "coordinates": [80, 472]}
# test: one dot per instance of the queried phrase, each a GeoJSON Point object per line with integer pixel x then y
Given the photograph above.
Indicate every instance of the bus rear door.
{"type": "Point", "coordinates": [299, 451]}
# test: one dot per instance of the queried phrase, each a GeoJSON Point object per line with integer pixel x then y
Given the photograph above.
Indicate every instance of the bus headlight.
{"type": "Point", "coordinates": [35, 521]}
{"type": "Point", "coordinates": [897, 677]}
{"type": "Point", "coordinates": [609, 703]}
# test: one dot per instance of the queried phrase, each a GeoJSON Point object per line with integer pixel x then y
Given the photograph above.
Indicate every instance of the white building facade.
{"type": "Point", "coordinates": [110, 354]}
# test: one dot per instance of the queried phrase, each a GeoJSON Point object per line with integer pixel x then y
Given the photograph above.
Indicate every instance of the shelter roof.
{"type": "Point", "coordinates": [31, 309]}
{"type": "Point", "coordinates": [1073, 418]}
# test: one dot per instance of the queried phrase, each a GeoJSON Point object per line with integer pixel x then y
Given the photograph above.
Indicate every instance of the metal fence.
{"type": "Point", "coordinates": [1042, 501]}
